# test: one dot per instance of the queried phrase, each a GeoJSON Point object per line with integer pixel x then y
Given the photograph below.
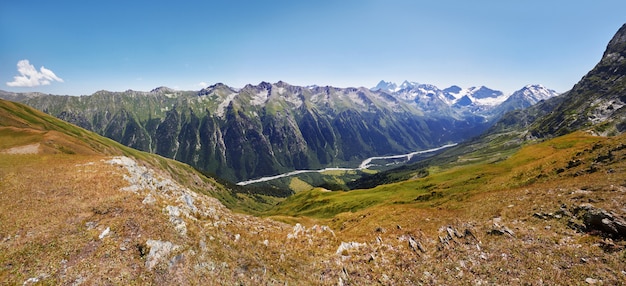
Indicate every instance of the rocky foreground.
{"type": "Point", "coordinates": [116, 220]}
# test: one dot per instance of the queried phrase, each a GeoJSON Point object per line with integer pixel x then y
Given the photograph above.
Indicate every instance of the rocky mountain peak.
{"type": "Point", "coordinates": [408, 84]}
{"type": "Point", "coordinates": [528, 96]}
{"type": "Point", "coordinates": [614, 58]}
{"type": "Point", "coordinates": [162, 89]}
{"type": "Point", "coordinates": [281, 83]}
{"type": "Point", "coordinates": [265, 85]}
{"type": "Point", "coordinates": [484, 92]}
{"type": "Point", "coordinates": [211, 89]}
{"type": "Point", "coordinates": [385, 86]}
{"type": "Point", "coordinates": [617, 45]}
{"type": "Point", "coordinates": [453, 89]}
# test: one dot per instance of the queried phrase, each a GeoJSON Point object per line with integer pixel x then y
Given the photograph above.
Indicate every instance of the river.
{"type": "Point", "coordinates": [364, 165]}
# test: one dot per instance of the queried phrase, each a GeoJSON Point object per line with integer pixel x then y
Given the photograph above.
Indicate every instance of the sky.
{"type": "Point", "coordinates": [80, 47]}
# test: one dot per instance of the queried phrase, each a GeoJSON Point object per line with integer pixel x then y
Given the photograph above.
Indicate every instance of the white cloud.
{"type": "Point", "coordinates": [29, 76]}
{"type": "Point", "coordinates": [202, 84]}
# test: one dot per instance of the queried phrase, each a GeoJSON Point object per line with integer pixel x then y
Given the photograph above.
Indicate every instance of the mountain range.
{"type": "Point", "coordinates": [482, 100]}
{"type": "Point", "coordinates": [266, 129]}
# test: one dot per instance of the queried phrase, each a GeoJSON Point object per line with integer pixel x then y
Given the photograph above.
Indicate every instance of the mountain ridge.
{"type": "Point", "coordinates": [265, 129]}
{"type": "Point", "coordinates": [456, 96]}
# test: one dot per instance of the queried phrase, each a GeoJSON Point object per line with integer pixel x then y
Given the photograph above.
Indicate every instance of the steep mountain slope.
{"type": "Point", "coordinates": [273, 128]}
{"type": "Point", "coordinates": [597, 100]}
{"type": "Point", "coordinates": [25, 130]}
{"type": "Point", "coordinates": [595, 103]}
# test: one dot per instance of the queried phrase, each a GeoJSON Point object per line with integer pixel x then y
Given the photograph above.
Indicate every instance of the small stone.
{"type": "Point", "coordinates": [583, 260]}
{"type": "Point", "coordinates": [344, 247]}
{"type": "Point", "coordinates": [91, 224]}
{"type": "Point", "coordinates": [149, 200]}
{"type": "Point", "coordinates": [508, 231]}
{"type": "Point", "coordinates": [104, 233]}
{"type": "Point", "coordinates": [590, 280]}
{"type": "Point", "coordinates": [495, 232]}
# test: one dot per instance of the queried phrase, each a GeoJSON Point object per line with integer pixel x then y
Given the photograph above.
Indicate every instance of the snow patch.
{"type": "Point", "coordinates": [490, 101]}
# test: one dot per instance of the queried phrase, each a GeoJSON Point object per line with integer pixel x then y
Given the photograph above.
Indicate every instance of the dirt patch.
{"type": "Point", "coordinates": [26, 149]}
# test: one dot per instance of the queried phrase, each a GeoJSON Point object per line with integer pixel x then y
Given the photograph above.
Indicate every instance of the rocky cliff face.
{"type": "Point", "coordinates": [597, 101]}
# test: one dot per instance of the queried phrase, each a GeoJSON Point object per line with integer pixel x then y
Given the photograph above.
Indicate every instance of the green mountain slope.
{"type": "Point", "coordinates": [263, 129]}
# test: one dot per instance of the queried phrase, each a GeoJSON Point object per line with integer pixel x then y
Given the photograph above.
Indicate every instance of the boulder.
{"type": "Point", "coordinates": [597, 219]}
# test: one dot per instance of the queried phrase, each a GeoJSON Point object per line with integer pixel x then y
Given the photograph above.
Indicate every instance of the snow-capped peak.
{"type": "Point", "coordinates": [535, 93]}
{"type": "Point", "coordinates": [476, 97]}
{"type": "Point", "coordinates": [408, 84]}
{"type": "Point", "coordinates": [455, 92]}
{"type": "Point", "coordinates": [386, 86]}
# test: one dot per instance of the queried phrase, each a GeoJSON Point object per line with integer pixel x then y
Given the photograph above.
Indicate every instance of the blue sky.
{"type": "Point", "coordinates": [86, 46]}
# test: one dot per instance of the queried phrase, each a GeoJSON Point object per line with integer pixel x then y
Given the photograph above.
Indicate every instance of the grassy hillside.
{"type": "Point", "coordinates": [21, 125]}
{"type": "Point", "coordinates": [538, 194]}
{"type": "Point", "coordinates": [533, 164]}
